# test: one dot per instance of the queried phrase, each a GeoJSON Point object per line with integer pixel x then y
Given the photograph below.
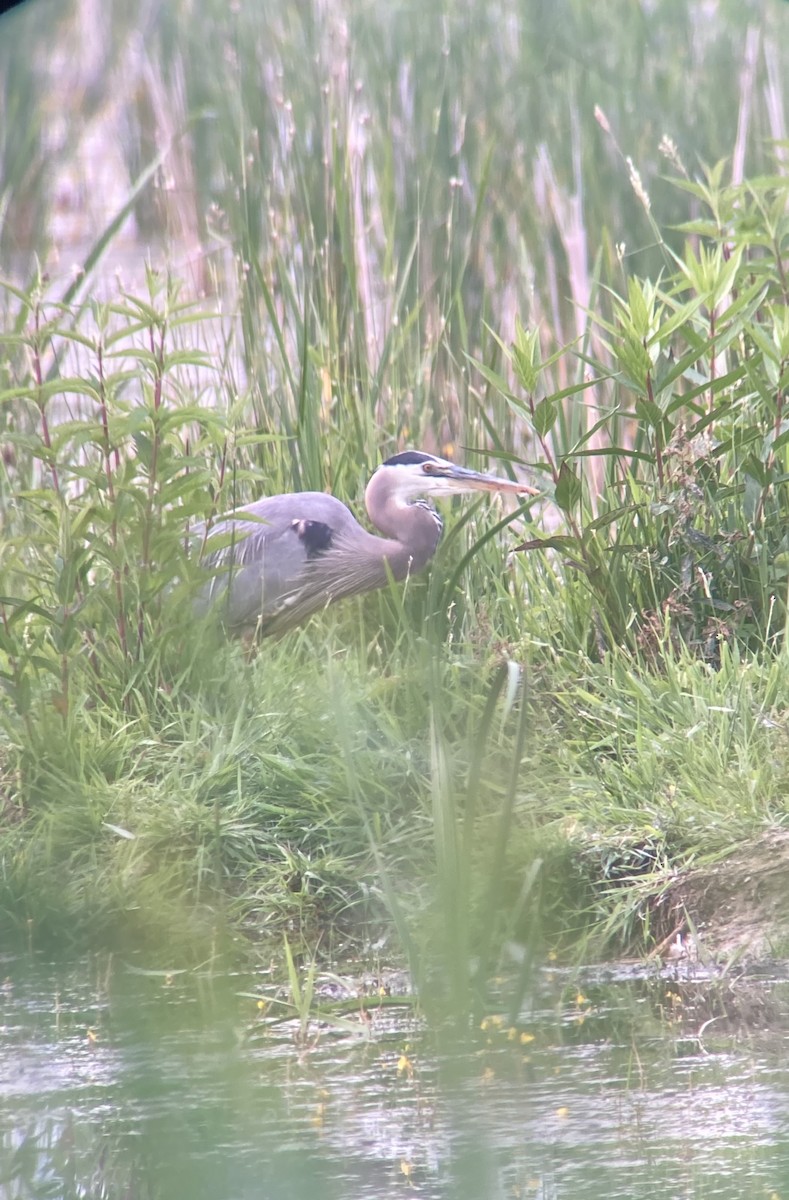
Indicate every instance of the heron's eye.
{"type": "Point", "coordinates": [429, 468]}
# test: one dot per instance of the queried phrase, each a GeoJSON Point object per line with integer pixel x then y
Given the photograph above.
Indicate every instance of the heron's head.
{"type": "Point", "coordinates": [414, 473]}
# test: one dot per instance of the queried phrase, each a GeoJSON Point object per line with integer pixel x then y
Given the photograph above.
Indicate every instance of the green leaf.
{"type": "Point", "coordinates": [544, 416]}
{"type": "Point", "coordinates": [568, 489]}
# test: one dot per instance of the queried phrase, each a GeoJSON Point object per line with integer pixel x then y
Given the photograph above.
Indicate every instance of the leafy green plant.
{"type": "Point", "coordinates": [102, 477]}
{"type": "Point", "coordinates": [690, 522]}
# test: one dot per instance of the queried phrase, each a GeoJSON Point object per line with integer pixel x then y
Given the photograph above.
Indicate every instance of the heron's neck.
{"type": "Point", "coordinates": [412, 530]}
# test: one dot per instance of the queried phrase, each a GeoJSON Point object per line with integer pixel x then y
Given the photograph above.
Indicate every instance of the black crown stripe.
{"type": "Point", "coordinates": [408, 458]}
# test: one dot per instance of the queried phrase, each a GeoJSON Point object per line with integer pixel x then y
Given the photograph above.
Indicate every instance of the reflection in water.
{"type": "Point", "coordinates": [114, 1083]}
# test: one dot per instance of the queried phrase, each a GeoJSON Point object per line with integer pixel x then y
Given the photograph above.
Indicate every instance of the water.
{"type": "Point", "coordinates": [116, 1083]}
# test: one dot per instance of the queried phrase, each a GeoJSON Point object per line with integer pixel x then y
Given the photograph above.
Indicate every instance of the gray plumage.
{"type": "Point", "coordinates": [284, 557]}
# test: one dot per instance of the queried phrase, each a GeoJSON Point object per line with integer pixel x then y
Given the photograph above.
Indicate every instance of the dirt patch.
{"type": "Point", "coordinates": [736, 908]}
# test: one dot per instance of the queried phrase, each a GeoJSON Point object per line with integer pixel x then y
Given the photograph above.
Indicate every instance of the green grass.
{"type": "Point", "coordinates": [467, 764]}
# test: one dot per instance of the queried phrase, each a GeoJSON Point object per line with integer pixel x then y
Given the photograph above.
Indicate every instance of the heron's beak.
{"type": "Point", "coordinates": [460, 479]}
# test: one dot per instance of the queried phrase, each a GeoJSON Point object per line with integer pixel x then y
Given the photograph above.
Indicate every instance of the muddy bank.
{"type": "Point", "coordinates": [737, 909]}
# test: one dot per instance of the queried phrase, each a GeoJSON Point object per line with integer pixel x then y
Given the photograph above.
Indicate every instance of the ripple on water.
{"type": "Point", "coordinates": [611, 1085]}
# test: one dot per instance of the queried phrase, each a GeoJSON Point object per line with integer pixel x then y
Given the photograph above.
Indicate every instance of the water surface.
{"type": "Point", "coordinates": [618, 1083]}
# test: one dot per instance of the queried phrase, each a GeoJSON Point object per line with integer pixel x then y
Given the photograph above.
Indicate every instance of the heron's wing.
{"type": "Point", "coordinates": [267, 557]}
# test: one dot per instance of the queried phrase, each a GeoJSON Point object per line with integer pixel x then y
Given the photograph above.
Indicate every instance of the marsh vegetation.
{"type": "Point", "coordinates": [335, 894]}
{"type": "Point", "coordinates": [548, 239]}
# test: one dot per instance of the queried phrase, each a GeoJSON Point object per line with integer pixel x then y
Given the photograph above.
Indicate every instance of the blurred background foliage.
{"type": "Point", "coordinates": [453, 164]}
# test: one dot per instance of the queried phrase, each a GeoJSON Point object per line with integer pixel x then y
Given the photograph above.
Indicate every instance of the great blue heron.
{"type": "Point", "coordinates": [284, 557]}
